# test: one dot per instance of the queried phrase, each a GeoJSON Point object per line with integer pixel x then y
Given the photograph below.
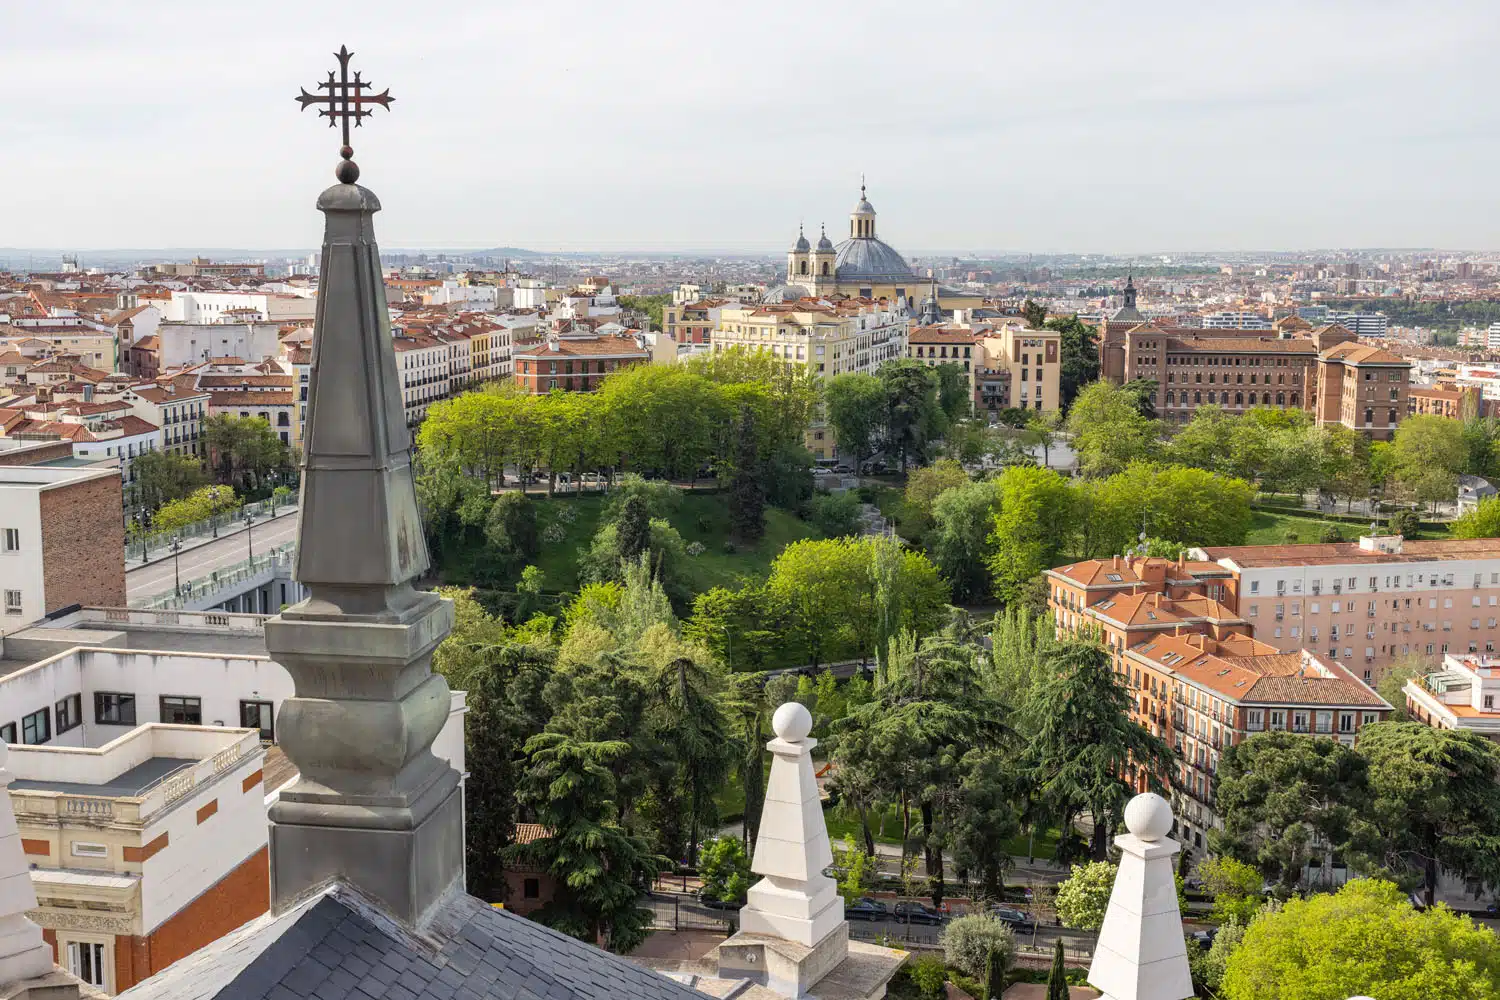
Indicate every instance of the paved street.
{"type": "Point", "coordinates": [202, 560]}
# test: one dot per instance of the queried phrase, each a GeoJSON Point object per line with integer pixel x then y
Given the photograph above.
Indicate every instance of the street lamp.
{"type": "Point", "coordinates": [176, 566]}
{"type": "Point", "coordinates": [249, 541]}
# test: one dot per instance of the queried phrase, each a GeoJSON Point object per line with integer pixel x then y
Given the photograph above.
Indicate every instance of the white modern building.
{"type": "Point", "coordinates": [236, 307]}
{"type": "Point", "coordinates": [194, 343]}
{"type": "Point", "coordinates": [1229, 320]}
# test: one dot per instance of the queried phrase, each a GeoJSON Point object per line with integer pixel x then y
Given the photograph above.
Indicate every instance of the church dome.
{"type": "Point", "coordinates": [824, 243]}
{"type": "Point", "coordinates": [784, 293]}
{"type": "Point", "coordinates": [868, 258]}
{"type": "Point", "coordinates": [801, 246]}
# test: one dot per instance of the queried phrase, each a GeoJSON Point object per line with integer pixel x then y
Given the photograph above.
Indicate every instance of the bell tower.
{"type": "Point", "coordinates": [862, 219]}
{"type": "Point", "coordinates": [823, 265]}
{"type": "Point", "coordinates": [799, 268]}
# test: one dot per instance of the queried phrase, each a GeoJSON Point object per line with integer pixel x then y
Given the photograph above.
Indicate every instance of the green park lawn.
{"type": "Point", "coordinates": [702, 517]}
{"type": "Point", "coordinates": [1268, 528]}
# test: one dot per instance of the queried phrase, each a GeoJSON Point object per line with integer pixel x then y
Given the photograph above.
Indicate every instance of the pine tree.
{"type": "Point", "coordinates": [633, 530]}
{"type": "Point", "coordinates": [747, 496]}
{"type": "Point", "coordinates": [1057, 979]}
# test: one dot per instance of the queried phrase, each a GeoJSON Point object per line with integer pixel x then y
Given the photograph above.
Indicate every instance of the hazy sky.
{"type": "Point", "coordinates": [982, 125]}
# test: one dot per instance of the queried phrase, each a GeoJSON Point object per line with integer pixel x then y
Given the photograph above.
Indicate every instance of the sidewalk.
{"type": "Point", "coordinates": [235, 527]}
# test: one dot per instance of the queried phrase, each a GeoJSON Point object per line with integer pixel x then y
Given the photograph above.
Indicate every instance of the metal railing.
{"type": "Point", "coordinates": [158, 543]}
{"type": "Point", "coordinates": [276, 560]}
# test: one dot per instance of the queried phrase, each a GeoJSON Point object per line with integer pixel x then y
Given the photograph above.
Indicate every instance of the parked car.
{"type": "Point", "coordinates": [917, 913]}
{"type": "Point", "coordinates": [1015, 918]}
{"type": "Point", "coordinates": [1205, 939]}
{"type": "Point", "coordinates": [866, 908]}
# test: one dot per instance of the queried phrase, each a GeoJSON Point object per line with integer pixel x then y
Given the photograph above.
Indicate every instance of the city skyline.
{"type": "Point", "coordinates": [672, 129]}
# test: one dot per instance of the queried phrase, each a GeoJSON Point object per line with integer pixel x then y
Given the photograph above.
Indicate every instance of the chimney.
{"type": "Point", "coordinates": [1156, 600]}
{"type": "Point", "coordinates": [1116, 563]}
{"type": "Point", "coordinates": [372, 806]}
{"type": "Point", "coordinates": [1196, 639]}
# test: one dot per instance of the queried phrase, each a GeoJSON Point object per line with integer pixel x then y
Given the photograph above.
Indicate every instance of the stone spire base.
{"type": "Point", "coordinates": [24, 956]}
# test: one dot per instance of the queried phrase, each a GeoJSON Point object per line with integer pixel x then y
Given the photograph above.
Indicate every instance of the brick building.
{"type": "Point", "coordinates": [1361, 604]}
{"type": "Point", "coordinates": [1445, 399]}
{"type": "Point", "coordinates": [62, 541]}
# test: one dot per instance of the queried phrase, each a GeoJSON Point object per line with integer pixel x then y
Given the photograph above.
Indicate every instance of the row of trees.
{"type": "Point", "coordinates": [668, 421]}
{"type": "Point", "coordinates": [992, 538]}
{"type": "Point", "coordinates": [1406, 802]}
{"type": "Point", "coordinates": [1283, 451]}
{"type": "Point", "coordinates": [246, 455]}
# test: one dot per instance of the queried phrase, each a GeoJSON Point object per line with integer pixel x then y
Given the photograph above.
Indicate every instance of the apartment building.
{"type": "Point", "coordinates": [1464, 694]}
{"type": "Point", "coordinates": [581, 363]}
{"type": "Point", "coordinates": [62, 541]}
{"type": "Point", "coordinates": [693, 321]}
{"type": "Point", "coordinates": [181, 411]}
{"type": "Point", "coordinates": [1029, 362]}
{"type": "Point", "coordinates": [943, 345]}
{"type": "Point", "coordinates": [1230, 319]}
{"type": "Point", "coordinates": [1204, 695]}
{"type": "Point", "coordinates": [830, 338]}
{"type": "Point", "coordinates": [1445, 399]}
{"type": "Point", "coordinates": [145, 843]}
{"type": "Point", "coordinates": [1362, 387]}
{"type": "Point", "coordinates": [143, 742]}
{"type": "Point", "coordinates": [1361, 604]}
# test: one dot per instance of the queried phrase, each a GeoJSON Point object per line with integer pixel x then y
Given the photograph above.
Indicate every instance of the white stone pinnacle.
{"type": "Point", "coordinates": [1141, 953]}
{"type": "Point", "coordinates": [23, 953]}
{"type": "Point", "coordinates": [794, 899]}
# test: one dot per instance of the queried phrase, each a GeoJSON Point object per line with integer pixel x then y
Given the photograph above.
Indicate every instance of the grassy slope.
{"type": "Point", "coordinates": [703, 517]}
{"type": "Point", "coordinates": [1268, 528]}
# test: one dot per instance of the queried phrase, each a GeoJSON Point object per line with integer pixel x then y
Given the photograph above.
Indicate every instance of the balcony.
{"type": "Point", "coordinates": [129, 779]}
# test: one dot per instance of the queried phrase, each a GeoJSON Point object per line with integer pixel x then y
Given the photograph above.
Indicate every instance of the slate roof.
{"type": "Point", "coordinates": [868, 258]}
{"type": "Point", "coordinates": [337, 945]}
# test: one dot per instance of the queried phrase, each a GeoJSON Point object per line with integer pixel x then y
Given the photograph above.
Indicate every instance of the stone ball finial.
{"type": "Point", "coordinates": [1148, 816]}
{"type": "Point", "coordinates": [792, 722]}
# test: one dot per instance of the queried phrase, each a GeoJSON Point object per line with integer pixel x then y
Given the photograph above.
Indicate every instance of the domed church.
{"type": "Point", "coordinates": [862, 265]}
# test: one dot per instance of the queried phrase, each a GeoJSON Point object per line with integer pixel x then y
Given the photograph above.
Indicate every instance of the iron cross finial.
{"type": "Point", "coordinates": [346, 101]}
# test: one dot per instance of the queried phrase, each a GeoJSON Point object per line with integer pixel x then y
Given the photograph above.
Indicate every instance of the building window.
{"type": "Point", "coordinates": [531, 888]}
{"type": "Point", "coordinates": [258, 715]}
{"type": "Point", "coordinates": [12, 602]}
{"type": "Point", "coordinates": [12, 539]}
{"type": "Point", "coordinates": [69, 713]}
{"type": "Point", "coordinates": [86, 961]}
{"type": "Point", "coordinates": [1255, 718]}
{"type": "Point", "coordinates": [36, 727]}
{"type": "Point", "coordinates": [180, 711]}
{"type": "Point", "coordinates": [8, 732]}
{"type": "Point", "coordinates": [114, 708]}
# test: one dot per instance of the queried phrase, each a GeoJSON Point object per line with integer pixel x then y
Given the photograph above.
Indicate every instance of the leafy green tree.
{"type": "Point", "coordinates": [857, 871]}
{"type": "Point", "coordinates": [725, 868]}
{"type": "Point", "coordinates": [159, 477]}
{"type": "Point", "coordinates": [924, 484]}
{"type": "Point", "coordinates": [1035, 314]}
{"type": "Point", "coordinates": [453, 506]}
{"type": "Point", "coordinates": [1208, 966]}
{"type": "Point", "coordinates": [1031, 528]}
{"type": "Point", "coordinates": [976, 944]}
{"type": "Point", "coordinates": [1428, 453]}
{"type": "Point", "coordinates": [1234, 886]}
{"type": "Point", "coordinates": [1085, 743]}
{"type": "Point", "coordinates": [1083, 896]}
{"type": "Point", "coordinates": [1435, 799]}
{"type": "Point", "coordinates": [1405, 523]}
{"type": "Point", "coordinates": [747, 498]}
{"type": "Point", "coordinates": [1483, 521]}
{"type": "Point", "coordinates": [511, 531]}
{"type": "Point", "coordinates": [1189, 506]}
{"type": "Point", "coordinates": [960, 542]}
{"type": "Point", "coordinates": [1365, 939]}
{"type": "Point", "coordinates": [836, 515]}
{"type": "Point", "coordinates": [200, 505]}
{"type": "Point", "coordinates": [856, 406]}
{"type": "Point", "coordinates": [688, 721]}
{"type": "Point", "coordinates": [986, 816]}
{"type": "Point", "coordinates": [651, 305]}
{"type": "Point", "coordinates": [1393, 682]}
{"type": "Point", "coordinates": [1042, 430]}
{"type": "Point", "coordinates": [913, 417]}
{"type": "Point", "coordinates": [504, 672]}
{"type": "Point", "coordinates": [245, 450]}
{"type": "Point", "coordinates": [954, 397]}
{"type": "Point", "coordinates": [1109, 431]}
{"type": "Point", "coordinates": [1281, 793]}
{"type": "Point", "coordinates": [1080, 357]}
{"type": "Point", "coordinates": [659, 497]}
{"type": "Point", "coordinates": [600, 867]}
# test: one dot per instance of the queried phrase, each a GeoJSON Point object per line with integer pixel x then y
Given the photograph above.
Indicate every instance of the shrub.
{"type": "Point", "coordinates": [660, 497]}
{"type": "Point", "coordinates": [928, 974]}
{"type": "Point", "coordinates": [970, 941]}
{"type": "Point", "coordinates": [1330, 533]}
{"type": "Point", "coordinates": [836, 514]}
